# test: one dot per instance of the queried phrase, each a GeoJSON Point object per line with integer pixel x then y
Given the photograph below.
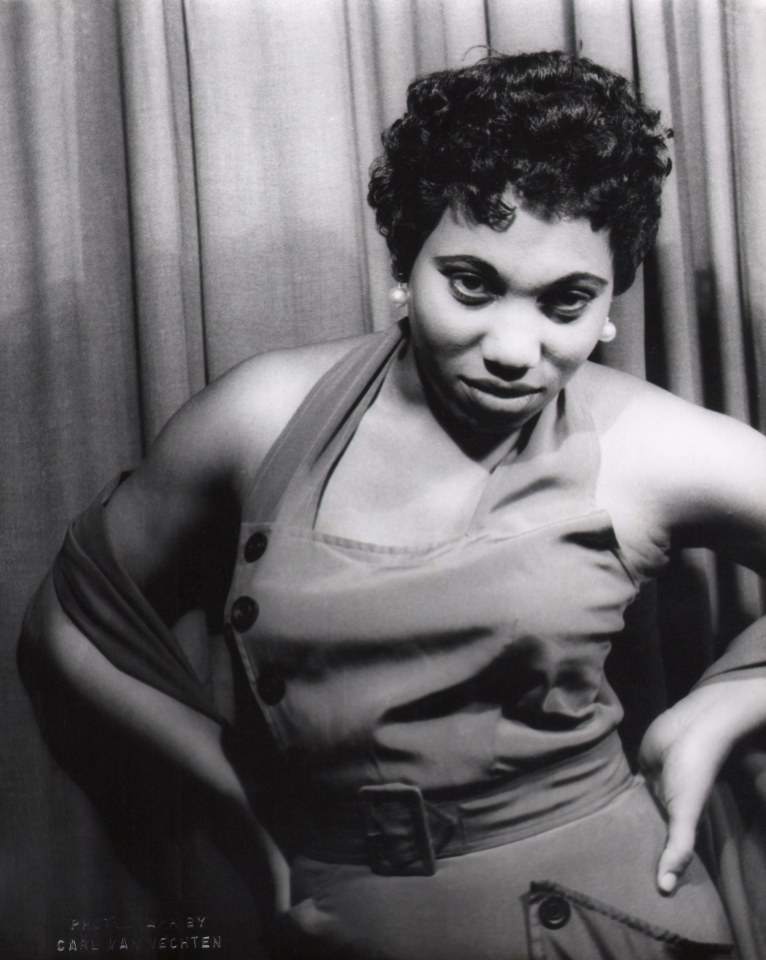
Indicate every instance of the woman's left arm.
{"type": "Point", "coordinates": [714, 496]}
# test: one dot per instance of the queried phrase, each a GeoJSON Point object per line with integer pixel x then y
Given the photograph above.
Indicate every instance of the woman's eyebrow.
{"type": "Point", "coordinates": [577, 276]}
{"type": "Point", "coordinates": [468, 260]}
{"type": "Point", "coordinates": [488, 272]}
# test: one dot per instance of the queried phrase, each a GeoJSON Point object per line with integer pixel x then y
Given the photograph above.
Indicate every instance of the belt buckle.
{"type": "Point", "coordinates": [396, 831]}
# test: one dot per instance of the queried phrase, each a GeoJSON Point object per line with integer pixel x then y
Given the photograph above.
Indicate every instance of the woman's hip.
{"type": "Point", "coordinates": [583, 890]}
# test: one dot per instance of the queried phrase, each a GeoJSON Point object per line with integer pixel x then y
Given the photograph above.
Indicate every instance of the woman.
{"type": "Point", "coordinates": [440, 529]}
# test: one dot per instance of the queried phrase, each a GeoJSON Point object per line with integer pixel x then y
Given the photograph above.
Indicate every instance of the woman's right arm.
{"type": "Point", "coordinates": [188, 480]}
{"type": "Point", "coordinates": [186, 737]}
{"type": "Point", "coordinates": [195, 474]}
{"type": "Point", "coordinates": [191, 741]}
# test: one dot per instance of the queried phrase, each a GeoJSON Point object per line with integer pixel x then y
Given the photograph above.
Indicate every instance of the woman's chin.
{"type": "Point", "coordinates": [494, 415]}
{"type": "Point", "coordinates": [466, 410]}
{"type": "Point", "coordinates": [479, 428]}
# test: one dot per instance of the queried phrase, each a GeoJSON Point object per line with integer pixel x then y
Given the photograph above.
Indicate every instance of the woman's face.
{"type": "Point", "coordinates": [501, 320]}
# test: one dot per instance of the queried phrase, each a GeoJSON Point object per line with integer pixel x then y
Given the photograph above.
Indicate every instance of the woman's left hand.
{"type": "Point", "coordinates": [682, 753]}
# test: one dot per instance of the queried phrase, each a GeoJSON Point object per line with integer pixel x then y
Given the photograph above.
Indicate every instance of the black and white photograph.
{"type": "Point", "coordinates": [383, 486]}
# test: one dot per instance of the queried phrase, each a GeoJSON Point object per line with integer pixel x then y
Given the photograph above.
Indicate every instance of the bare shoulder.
{"type": "Point", "coordinates": [255, 400]}
{"type": "Point", "coordinates": [653, 426]}
{"type": "Point", "coordinates": [609, 393]}
{"type": "Point", "coordinates": [687, 474]}
{"type": "Point", "coordinates": [208, 452]}
{"type": "Point", "coordinates": [229, 426]}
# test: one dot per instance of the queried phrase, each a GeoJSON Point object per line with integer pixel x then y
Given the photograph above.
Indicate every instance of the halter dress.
{"type": "Point", "coordinates": [451, 770]}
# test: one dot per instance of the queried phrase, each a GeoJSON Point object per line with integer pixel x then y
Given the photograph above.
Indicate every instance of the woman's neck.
{"type": "Point", "coordinates": [407, 391]}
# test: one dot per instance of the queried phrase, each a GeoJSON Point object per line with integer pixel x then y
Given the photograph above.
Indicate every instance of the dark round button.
{"type": "Point", "coordinates": [256, 546]}
{"type": "Point", "coordinates": [244, 613]}
{"type": "Point", "coordinates": [270, 685]}
{"type": "Point", "coordinates": [554, 912]}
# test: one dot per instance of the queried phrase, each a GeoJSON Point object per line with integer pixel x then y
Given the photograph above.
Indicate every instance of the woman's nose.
{"type": "Point", "coordinates": [513, 343]}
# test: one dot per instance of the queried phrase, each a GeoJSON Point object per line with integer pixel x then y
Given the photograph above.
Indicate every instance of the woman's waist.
{"type": "Point", "coordinates": [397, 828]}
{"type": "Point", "coordinates": [341, 745]}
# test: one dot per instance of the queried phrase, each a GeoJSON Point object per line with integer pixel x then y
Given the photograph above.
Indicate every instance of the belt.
{"type": "Point", "coordinates": [398, 830]}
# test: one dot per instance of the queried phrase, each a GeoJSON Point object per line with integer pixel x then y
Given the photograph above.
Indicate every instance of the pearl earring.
{"type": "Point", "coordinates": [609, 332]}
{"type": "Point", "coordinates": [399, 295]}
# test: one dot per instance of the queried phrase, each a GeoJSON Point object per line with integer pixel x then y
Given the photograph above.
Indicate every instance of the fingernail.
{"type": "Point", "coordinates": [668, 882]}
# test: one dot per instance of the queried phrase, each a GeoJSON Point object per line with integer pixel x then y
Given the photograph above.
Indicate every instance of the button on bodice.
{"type": "Point", "coordinates": [255, 547]}
{"type": "Point", "coordinates": [270, 685]}
{"type": "Point", "coordinates": [244, 613]}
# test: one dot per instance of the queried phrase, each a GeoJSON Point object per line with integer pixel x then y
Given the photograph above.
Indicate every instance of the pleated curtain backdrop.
{"type": "Point", "coordinates": [182, 184]}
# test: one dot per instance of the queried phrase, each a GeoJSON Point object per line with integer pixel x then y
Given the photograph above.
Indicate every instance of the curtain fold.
{"type": "Point", "coordinates": [182, 184]}
{"type": "Point", "coordinates": [277, 176]}
{"type": "Point", "coordinates": [745, 31]}
{"type": "Point", "coordinates": [530, 25]}
{"type": "Point", "coordinates": [724, 350]}
{"type": "Point", "coordinates": [162, 209]}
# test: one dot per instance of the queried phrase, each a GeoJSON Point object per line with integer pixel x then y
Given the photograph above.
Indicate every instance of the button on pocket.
{"type": "Point", "coordinates": [554, 912]}
{"type": "Point", "coordinates": [244, 613]}
{"type": "Point", "coordinates": [568, 923]}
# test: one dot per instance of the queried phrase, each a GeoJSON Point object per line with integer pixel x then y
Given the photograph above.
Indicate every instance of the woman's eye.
{"type": "Point", "coordinates": [567, 305]}
{"type": "Point", "coordinates": [469, 288]}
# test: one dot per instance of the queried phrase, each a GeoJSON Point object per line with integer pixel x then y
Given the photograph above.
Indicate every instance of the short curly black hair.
{"type": "Point", "coordinates": [569, 136]}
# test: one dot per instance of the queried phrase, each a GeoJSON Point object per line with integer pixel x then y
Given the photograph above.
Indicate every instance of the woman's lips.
{"type": "Point", "coordinates": [494, 388]}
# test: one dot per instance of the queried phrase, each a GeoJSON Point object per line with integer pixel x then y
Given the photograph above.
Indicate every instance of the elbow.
{"type": "Point", "coordinates": [49, 657]}
{"type": "Point", "coordinates": [29, 653]}
{"type": "Point", "coordinates": [42, 648]}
